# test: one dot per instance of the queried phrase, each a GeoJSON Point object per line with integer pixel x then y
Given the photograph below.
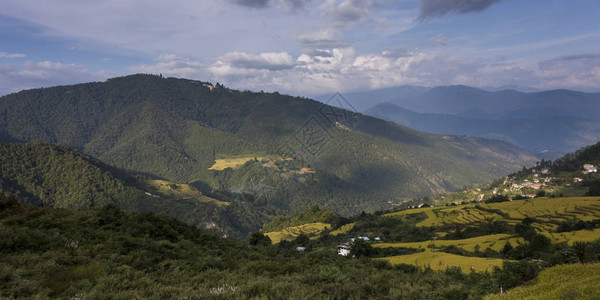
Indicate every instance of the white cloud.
{"type": "Point", "coordinates": [12, 55]}
{"type": "Point", "coordinates": [580, 71]}
{"type": "Point", "coordinates": [14, 78]}
{"type": "Point", "coordinates": [173, 65]}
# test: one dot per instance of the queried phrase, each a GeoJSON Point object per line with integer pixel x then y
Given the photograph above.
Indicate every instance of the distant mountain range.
{"type": "Point", "coordinates": [273, 152]}
{"type": "Point", "coordinates": [558, 121]}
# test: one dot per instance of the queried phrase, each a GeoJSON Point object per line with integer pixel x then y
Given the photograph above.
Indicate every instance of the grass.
{"type": "Point", "coordinates": [442, 260]}
{"type": "Point", "coordinates": [163, 188]}
{"type": "Point", "coordinates": [232, 162]}
{"type": "Point", "coordinates": [561, 282]}
{"type": "Point", "coordinates": [290, 233]}
{"type": "Point", "coordinates": [496, 242]}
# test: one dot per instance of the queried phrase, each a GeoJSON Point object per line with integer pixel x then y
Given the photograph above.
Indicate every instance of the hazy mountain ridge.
{"type": "Point", "coordinates": [560, 121]}
{"type": "Point", "coordinates": [560, 134]}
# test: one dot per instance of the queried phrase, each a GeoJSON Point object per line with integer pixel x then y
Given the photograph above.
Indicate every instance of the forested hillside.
{"type": "Point", "coordinates": [176, 129]}
{"type": "Point", "coordinates": [55, 176]}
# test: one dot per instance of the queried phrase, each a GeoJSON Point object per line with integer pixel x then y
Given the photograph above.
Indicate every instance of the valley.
{"type": "Point", "coordinates": [216, 179]}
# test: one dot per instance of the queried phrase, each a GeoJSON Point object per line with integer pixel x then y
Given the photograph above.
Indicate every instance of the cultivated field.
{"type": "Point", "coordinates": [547, 211]}
{"type": "Point", "coordinates": [495, 242]}
{"type": "Point", "coordinates": [163, 188]}
{"type": "Point", "coordinates": [442, 260]}
{"type": "Point", "coordinates": [291, 233]}
{"type": "Point", "coordinates": [232, 162]}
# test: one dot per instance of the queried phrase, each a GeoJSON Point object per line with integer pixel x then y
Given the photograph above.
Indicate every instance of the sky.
{"type": "Point", "coordinates": [304, 47]}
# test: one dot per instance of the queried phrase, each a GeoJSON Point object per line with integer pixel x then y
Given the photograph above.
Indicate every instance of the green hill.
{"type": "Point", "coordinates": [56, 176]}
{"type": "Point", "coordinates": [177, 129]}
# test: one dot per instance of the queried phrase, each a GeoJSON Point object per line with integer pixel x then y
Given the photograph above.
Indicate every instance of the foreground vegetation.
{"type": "Point", "coordinates": [108, 253]}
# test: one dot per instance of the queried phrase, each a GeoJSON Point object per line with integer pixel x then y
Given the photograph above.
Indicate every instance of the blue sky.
{"type": "Point", "coordinates": [304, 47]}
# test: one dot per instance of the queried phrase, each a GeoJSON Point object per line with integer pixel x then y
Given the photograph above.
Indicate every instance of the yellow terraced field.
{"type": "Point", "coordinates": [343, 229]}
{"type": "Point", "coordinates": [574, 236]}
{"type": "Point", "coordinates": [231, 162]}
{"type": "Point", "coordinates": [549, 211]}
{"type": "Point", "coordinates": [441, 261]}
{"type": "Point", "coordinates": [290, 233]}
{"type": "Point", "coordinates": [178, 191]}
{"type": "Point", "coordinates": [496, 242]}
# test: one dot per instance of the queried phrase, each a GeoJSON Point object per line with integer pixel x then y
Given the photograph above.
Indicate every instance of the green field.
{"type": "Point", "coordinates": [578, 281]}
{"type": "Point", "coordinates": [290, 233]}
{"type": "Point", "coordinates": [442, 260]}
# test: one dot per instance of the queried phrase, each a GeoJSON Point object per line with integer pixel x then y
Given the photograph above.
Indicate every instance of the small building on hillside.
{"type": "Point", "coordinates": [344, 249]}
{"type": "Point", "coordinates": [589, 168]}
{"type": "Point", "coordinates": [300, 249]}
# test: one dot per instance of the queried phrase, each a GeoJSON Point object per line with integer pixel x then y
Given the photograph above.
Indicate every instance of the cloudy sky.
{"type": "Point", "coordinates": [304, 47]}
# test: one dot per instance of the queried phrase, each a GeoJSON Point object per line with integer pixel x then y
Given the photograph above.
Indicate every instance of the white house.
{"type": "Point", "coordinates": [344, 249]}
{"type": "Point", "coordinates": [590, 168]}
{"type": "Point", "coordinates": [364, 238]}
{"type": "Point", "coordinates": [300, 249]}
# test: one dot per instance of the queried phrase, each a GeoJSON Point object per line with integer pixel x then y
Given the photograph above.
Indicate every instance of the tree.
{"type": "Point", "coordinates": [258, 239]}
{"type": "Point", "coordinates": [361, 248]}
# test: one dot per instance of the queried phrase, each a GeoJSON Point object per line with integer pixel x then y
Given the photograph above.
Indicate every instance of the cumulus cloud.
{"type": "Point", "coordinates": [325, 38]}
{"type": "Point", "coordinates": [173, 65]}
{"type": "Point", "coordinates": [343, 69]}
{"type": "Point", "coordinates": [436, 8]}
{"type": "Point", "coordinates": [251, 3]}
{"type": "Point", "coordinates": [14, 78]}
{"type": "Point", "coordinates": [268, 61]}
{"type": "Point", "coordinates": [12, 55]}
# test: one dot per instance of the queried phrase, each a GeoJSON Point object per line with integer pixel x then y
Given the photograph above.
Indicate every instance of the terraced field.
{"type": "Point", "coordinates": [290, 233]}
{"type": "Point", "coordinates": [442, 260]}
{"type": "Point", "coordinates": [574, 236]}
{"type": "Point", "coordinates": [496, 242]}
{"type": "Point", "coordinates": [343, 229]}
{"type": "Point", "coordinates": [548, 211]}
{"type": "Point", "coordinates": [163, 188]}
{"type": "Point", "coordinates": [232, 162]}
